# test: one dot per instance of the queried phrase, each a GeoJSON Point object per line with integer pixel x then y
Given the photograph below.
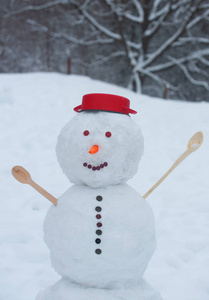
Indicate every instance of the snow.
{"type": "Point", "coordinates": [33, 109]}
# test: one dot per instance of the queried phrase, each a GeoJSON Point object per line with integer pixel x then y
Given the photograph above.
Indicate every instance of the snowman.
{"type": "Point", "coordinates": [101, 233]}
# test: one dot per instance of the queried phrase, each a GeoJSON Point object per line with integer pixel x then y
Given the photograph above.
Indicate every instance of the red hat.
{"type": "Point", "coordinates": [106, 102]}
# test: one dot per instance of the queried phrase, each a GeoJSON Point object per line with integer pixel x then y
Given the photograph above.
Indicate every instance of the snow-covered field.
{"type": "Point", "coordinates": [33, 109]}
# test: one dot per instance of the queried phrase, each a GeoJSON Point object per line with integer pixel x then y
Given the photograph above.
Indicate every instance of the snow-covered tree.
{"type": "Point", "coordinates": [148, 45]}
{"type": "Point", "coordinates": [156, 38]}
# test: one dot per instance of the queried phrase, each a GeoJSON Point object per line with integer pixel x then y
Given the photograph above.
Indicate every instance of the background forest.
{"type": "Point", "coordinates": [157, 47]}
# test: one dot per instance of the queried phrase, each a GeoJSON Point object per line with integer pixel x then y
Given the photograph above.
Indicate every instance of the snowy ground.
{"type": "Point", "coordinates": [33, 109]}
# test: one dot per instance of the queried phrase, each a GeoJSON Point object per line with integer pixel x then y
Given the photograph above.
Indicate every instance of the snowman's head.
{"type": "Point", "coordinates": [98, 148]}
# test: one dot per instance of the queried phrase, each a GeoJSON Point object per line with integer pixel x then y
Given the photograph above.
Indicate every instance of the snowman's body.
{"type": "Point", "coordinates": [101, 233]}
{"type": "Point", "coordinates": [105, 252]}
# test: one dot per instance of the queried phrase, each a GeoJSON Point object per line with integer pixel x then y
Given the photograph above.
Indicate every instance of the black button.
{"type": "Point", "coordinates": [98, 209]}
{"type": "Point", "coordinates": [97, 241]}
{"type": "Point", "coordinates": [98, 251]}
{"type": "Point", "coordinates": [98, 232]}
{"type": "Point", "coordinates": [99, 198]}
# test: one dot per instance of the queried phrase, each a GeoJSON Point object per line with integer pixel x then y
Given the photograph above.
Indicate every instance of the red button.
{"type": "Point", "coordinates": [99, 224]}
{"type": "Point", "coordinates": [86, 132]}
{"type": "Point", "coordinates": [108, 134]}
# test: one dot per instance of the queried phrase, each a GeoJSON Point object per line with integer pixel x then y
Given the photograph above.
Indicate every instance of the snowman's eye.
{"type": "Point", "coordinates": [86, 132]}
{"type": "Point", "coordinates": [108, 134]}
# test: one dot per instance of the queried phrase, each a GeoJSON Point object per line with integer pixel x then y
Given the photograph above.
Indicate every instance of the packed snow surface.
{"type": "Point", "coordinates": [33, 109]}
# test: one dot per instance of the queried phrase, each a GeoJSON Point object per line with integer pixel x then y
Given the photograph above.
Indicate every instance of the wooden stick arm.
{"type": "Point", "coordinates": [177, 162]}
{"type": "Point", "coordinates": [180, 159]}
{"type": "Point", "coordinates": [43, 192]}
{"type": "Point", "coordinates": [194, 143]}
{"type": "Point", "coordinates": [23, 176]}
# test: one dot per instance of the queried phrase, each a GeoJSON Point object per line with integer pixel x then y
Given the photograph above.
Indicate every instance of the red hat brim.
{"type": "Point", "coordinates": [105, 102]}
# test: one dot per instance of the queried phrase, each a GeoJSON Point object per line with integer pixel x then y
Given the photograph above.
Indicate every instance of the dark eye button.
{"type": "Point", "coordinates": [86, 132]}
{"type": "Point", "coordinates": [108, 134]}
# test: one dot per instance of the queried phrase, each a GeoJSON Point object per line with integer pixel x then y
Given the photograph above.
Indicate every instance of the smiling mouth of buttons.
{"type": "Point", "coordinates": [95, 168]}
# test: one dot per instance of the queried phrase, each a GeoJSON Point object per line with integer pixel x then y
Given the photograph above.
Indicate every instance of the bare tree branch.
{"type": "Point", "coordinates": [149, 32]}
{"type": "Point", "coordinates": [189, 76]}
{"type": "Point", "coordinates": [196, 20]}
{"type": "Point", "coordinates": [158, 79]}
{"type": "Point", "coordinates": [36, 8]}
{"type": "Point", "coordinates": [193, 40]}
{"type": "Point", "coordinates": [157, 14]}
{"type": "Point", "coordinates": [172, 39]}
{"type": "Point", "coordinates": [82, 42]}
{"type": "Point", "coordinates": [102, 60]}
{"type": "Point", "coordinates": [96, 24]}
{"type": "Point", "coordinates": [198, 55]}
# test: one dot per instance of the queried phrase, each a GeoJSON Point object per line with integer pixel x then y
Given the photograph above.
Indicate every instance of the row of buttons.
{"type": "Point", "coordinates": [99, 224]}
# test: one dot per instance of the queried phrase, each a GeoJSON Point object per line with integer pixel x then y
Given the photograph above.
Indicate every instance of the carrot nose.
{"type": "Point", "coordinates": [94, 149]}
